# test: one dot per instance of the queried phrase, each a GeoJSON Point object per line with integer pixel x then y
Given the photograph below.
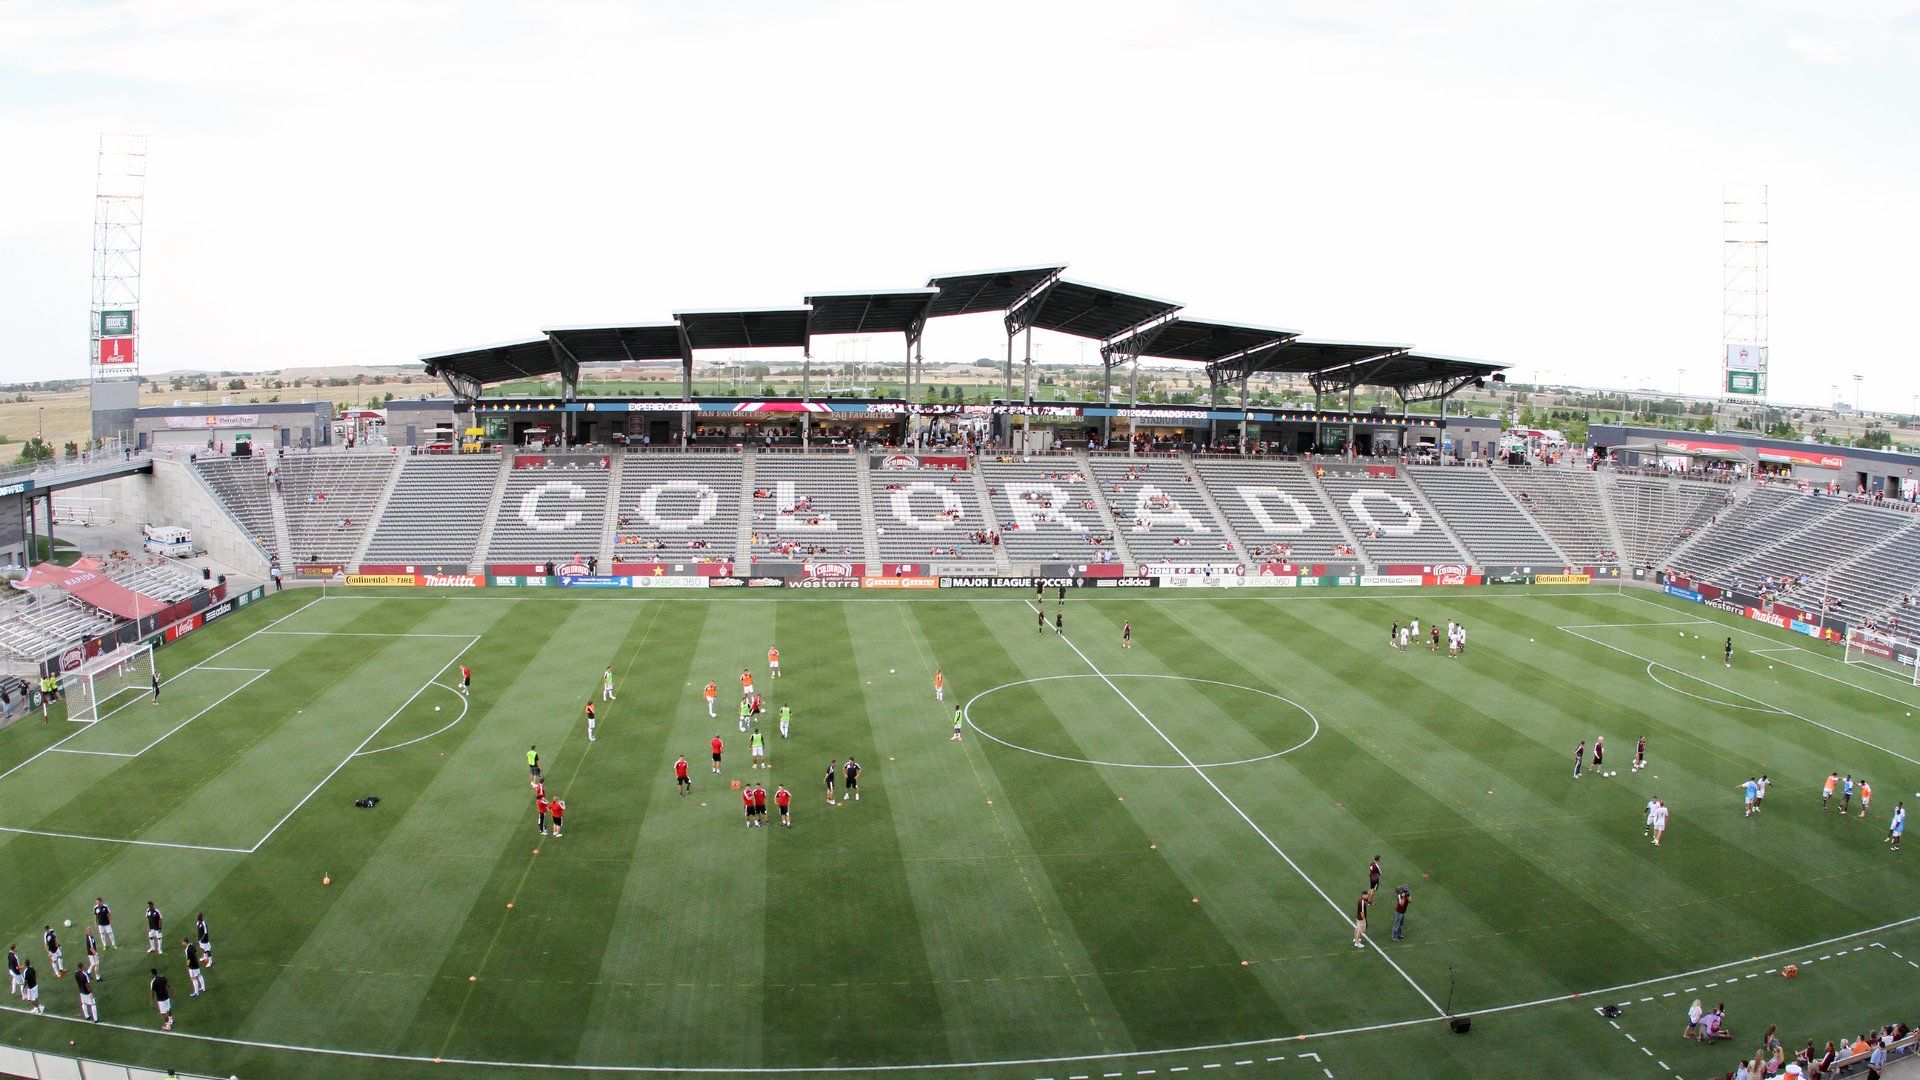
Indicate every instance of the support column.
{"type": "Point", "coordinates": [806, 395]}
{"type": "Point", "coordinates": [1026, 417]}
{"type": "Point", "coordinates": [1007, 426]}
{"type": "Point", "coordinates": [1243, 413]}
{"type": "Point", "coordinates": [1133, 407]}
{"type": "Point", "coordinates": [1353, 433]}
{"type": "Point", "coordinates": [1106, 398]}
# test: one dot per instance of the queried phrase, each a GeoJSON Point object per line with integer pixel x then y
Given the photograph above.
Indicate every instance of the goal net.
{"type": "Point", "coordinates": [107, 681]}
{"type": "Point", "coordinates": [1892, 653]}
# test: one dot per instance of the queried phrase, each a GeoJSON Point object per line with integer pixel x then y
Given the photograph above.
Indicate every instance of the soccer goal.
{"type": "Point", "coordinates": [91, 689]}
{"type": "Point", "coordinates": [1890, 653]}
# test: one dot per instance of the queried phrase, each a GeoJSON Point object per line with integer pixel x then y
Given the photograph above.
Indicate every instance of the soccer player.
{"type": "Point", "coordinates": [1747, 789]}
{"type": "Point", "coordinates": [466, 680]}
{"type": "Point", "coordinates": [1599, 750]}
{"type": "Point", "coordinates": [853, 779]}
{"type": "Point", "coordinates": [154, 940]}
{"type": "Point", "coordinates": [757, 748]}
{"type": "Point", "coordinates": [1652, 805]}
{"type": "Point", "coordinates": [746, 803]}
{"type": "Point", "coordinates": [1866, 798]}
{"type": "Point", "coordinates": [1433, 634]}
{"type": "Point", "coordinates": [939, 685]}
{"type": "Point", "coordinates": [680, 780]}
{"type": "Point", "coordinates": [781, 797]}
{"type": "Point", "coordinates": [93, 954]}
{"type": "Point", "coordinates": [1846, 794]}
{"type": "Point", "coordinates": [557, 809]}
{"type": "Point", "coordinates": [196, 978]}
{"type": "Point", "coordinates": [1463, 637]}
{"type": "Point", "coordinates": [590, 721]}
{"type": "Point", "coordinates": [156, 686]}
{"type": "Point", "coordinates": [540, 808]}
{"type": "Point", "coordinates": [1659, 823]}
{"type": "Point", "coordinates": [1393, 635]}
{"type": "Point", "coordinates": [1898, 825]}
{"type": "Point", "coordinates": [1126, 634]}
{"type": "Point", "coordinates": [1059, 621]}
{"type": "Point", "coordinates": [533, 761]}
{"type": "Point", "coordinates": [606, 685]}
{"type": "Point", "coordinates": [88, 1009]}
{"type": "Point", "coordinates": [162, 996]}
{"type": "Point", "coordinates": [1373, 874]}
{"type": "Point", "coordinates": [13, 968]}
{"type": "Point", "coordinates": [1640, 754]}
{"type": "Point", "coordinates": [773, 662]}
{"type": "Point", "coordinates": [1360, 919]}
{"type": "Point", "coordinates": [1727, 656]}
{"type": "Point", "coordinates": [957, 721]}
{"type": "Point", "coordinates": [103, 918]}
{"type": "Point", "coordinates": [1760, 792]}
{"type": "Point", "coordinates": [712, 690]}
{"type": "Point", "coordinates": [1402, 896]}
{"type": "Point", "coordinates": [1413, 627]}
{"type": "Point", "coordinates": [832, 768]}
{"type": "Point", "coordinates": [746, 683]}
{"type": "Point", "coordinates": [717, 747]}
{"type": "Point", "coordinates": [1042, 617]}
{"type": "Point", "coordinates": [30, 988]}
{"type": "Point", "coordinates": [746, 710]}
{"type": "Point", "coordinates": [205, 939]}
{"type": "Point", "coordinates": [786, 719]}
{"type": "Point", "coordinates": [52, 941]}
{"type": "Point", "coordinates": [760, 805]}
{"type": "Point", "coordinates": [1403, 639]}
{"type": "Point", "coordinates": [1579, 758]}
{"type": "Point", "coordinates": [1826, 794]}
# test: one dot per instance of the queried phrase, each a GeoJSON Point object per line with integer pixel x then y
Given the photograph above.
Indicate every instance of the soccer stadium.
{"type": "Point", "coordinates": [992, 676]}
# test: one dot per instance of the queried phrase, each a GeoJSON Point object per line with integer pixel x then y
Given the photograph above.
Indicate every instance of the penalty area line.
{"type": "Point", "coordinates": [1262, 833]}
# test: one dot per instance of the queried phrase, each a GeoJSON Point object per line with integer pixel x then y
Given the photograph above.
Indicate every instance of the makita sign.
{"type": "Point", "coordinates": [453, 581]}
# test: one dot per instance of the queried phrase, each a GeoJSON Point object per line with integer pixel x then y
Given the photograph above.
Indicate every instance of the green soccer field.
{"type": "Point", "coordinates": [1136, 862]}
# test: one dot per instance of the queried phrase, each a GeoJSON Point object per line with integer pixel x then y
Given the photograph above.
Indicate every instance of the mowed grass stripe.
{"type": "Point", "coordinates": [1169, 970]}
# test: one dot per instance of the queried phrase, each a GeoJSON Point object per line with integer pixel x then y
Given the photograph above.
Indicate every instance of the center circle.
{"type": "Point", "coordinates": [967, 714]}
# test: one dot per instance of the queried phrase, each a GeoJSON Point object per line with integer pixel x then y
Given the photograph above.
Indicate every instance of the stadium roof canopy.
{"type": "Point", "coordinates": [617, 344]}
{"type": "Point", "coordinates": [746, 328]}
{"type": "Point", "coordinates": [1088, 311]}
{"type": "Point", "coordinates": [894, 311]}
{"type": "Point", "coordinates": [1201, 340]}
{"type": "Point", "coordinates": [987, 290]}
{"type": "Point", "coordinates": [468, 370]}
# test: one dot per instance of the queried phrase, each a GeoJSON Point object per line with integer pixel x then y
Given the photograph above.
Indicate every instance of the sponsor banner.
{"type": "Point", "coordinates": [1383, 470]}
{"type": "Point", "coordinates": [1326, 581]}
{"type": "Point", "coordinates": [115, 351]}
{"type": "Point", "coordinates": [1511, 577]}
{"type": "Point", "coordinates": [905, 569]}
{"type": "Point", "coordinates": [1125, 583]}
{"type": "Point", "coordinates": [116, 323]}
{"type": "Point", "coordinates": [744, 582]}
{"type": "Point", "coordinates": [669, 582]}
{"type": "Point", "coordinates": [318, 570]}
{"type": "Point", "coordinates": [182, 628]}
{"type": "Point", "coordinates": [823, 583]}
{"type": "Point", "coordinates": [659, 569]}
{"type": "Point", "coordinates": [511, 580]}
{"type": "Point", "coordinates": [1685, 594]}
{"type": "Point", "coordinates": [996, 582]}
{"type": "Point", "coordinates": [1269, 581]}
{"type": "Point", "coordinates": [225, 420]}
{"type": "Point", "coordinates": [1451, 579]}
{"type": "Point", "coordinates": [1170, 570]}
{"type": "Point", "coordinates": [596, 581]}
{"type": "Point", "coordinates": [453, 581]}
{"type": "Point", "coordinates": [927, 461]}
{"type": "Point", "coordinates": [1376, 580]}
{"type": "Point", "coordinates": [833, 570]}
{"type": "Point", "coordinates": [1800, 627]}
{"type": "Point", "coordinates": [217, 611]}
{"type": "Point", "coordinates": [1563, 579]}
{"type": "Point", "coordinates": [1721, 603]}
{"type": "Point", "coordinates": [382, 568]}
{"type": "Point", "coordinates": [1187, 581]}
{"type": "Point", "coordinates": [900, 583]}
{"type": "Point", "coordinates": [1768, 617]}
{"type": "Point", "coordinates": [382, 579]}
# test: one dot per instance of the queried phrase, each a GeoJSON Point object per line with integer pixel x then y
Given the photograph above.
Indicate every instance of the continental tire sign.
{"type": "Point", "coordinates": [381, 579]}
{"type": "Point", "coordinates": [1563, 579]}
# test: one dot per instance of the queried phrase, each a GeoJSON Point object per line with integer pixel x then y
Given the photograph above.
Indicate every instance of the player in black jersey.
{"type": "Point", "coordinates": [154, 940]}
{"type": "Point", "coordinates": [30, 988]}
{"type": "Point", "coordinates": [93, 955]}
{"type": "Point", "coordinates": [833, 768]}
{"type": "Point", "coordinates": [84, 983]}
{"type": "Point", "coordinates": [161, 995]}
{"type": "Point", "coordinates": [54, 962]}
{"type": "Point", "coordinates": [853, 780]}
{"type": "Point", "coordinates": [1727, 656]}
{"type": "Point", "coordinates": [13, 969]}
{"type": "Point", "coordinates": [206, 940]}
{"type": "Point", "coordinates": [103, 918]}
{"type": "Point", "coordinates": [195, 978]}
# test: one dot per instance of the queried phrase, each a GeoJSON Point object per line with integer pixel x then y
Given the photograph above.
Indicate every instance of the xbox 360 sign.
{"type": "Point", "coordinates": [1743, 382]}
{"type": "Point", "coordinates": [116, 323]}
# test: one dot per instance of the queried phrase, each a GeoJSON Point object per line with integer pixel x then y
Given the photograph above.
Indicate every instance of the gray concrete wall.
{"type": "Point", "coordinates": [173, 495]}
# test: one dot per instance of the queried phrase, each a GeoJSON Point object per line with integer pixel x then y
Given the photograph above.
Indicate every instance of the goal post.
{"type": "Point", "coordinates": [1891, 653]}
{"type": "Point", "coordinates": [107, 681]}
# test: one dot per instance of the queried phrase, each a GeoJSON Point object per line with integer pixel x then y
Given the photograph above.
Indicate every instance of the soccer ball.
{"type": "Point", "coordinates": [436, 708]}
{"type": "Point", "coordinates": [889, 671]}
{"type": "Point", "coordinates": [69, 922]}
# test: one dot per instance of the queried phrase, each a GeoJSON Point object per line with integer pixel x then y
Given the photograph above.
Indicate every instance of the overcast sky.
{"type": "Point", "coordinates": [1533, 184]}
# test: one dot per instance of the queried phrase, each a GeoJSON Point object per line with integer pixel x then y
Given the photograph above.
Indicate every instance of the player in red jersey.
{"type": "Point", "coordinates": [558, 809]}
{"type": "Point", "coordinates": [781, 797]}
{"type": "Point", "coordinates": [466, 679]}
{"type": "Point", "coordinates": [760, 805]}
{"type": "Point", "coordinates": [746, 800]}
{"type": "Point", "coordinates": [718, 746]}
{"type": "Point", "coordinates": [541, 806]}
{"type": "Point", "coordinates": [680, 775]}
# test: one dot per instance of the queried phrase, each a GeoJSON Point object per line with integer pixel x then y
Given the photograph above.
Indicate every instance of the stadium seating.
{"type": "Point", "coordinates": [1156, 503]}
{"type": "Point", "coordinates": [330, 500]}
{"type": "Point", "coordinates": [1656, 514]}
{"type": "Point", "coordinates": [1875, 582]}
{"type": "Point", "coordinates": [32, 630]}
{"type": "Point", "coordinates": [928, 515]}
{"type": "Point", "coordinates": [242, 487]}
{"type": "Point", "coordinates": [1768, 515]}
{"type": "Point", "coordinates": [810, 507]}
{"type": "Point", "coordinates": [1847, 530]}
{"type": "Point", "coordinates": [434, 516]}
{"type": "Point", "coordinates": [158, 579]}
{"type": "Point", "coordinates": [1566, 505]}
{"type": "Point", "coordinates": [678, 507]}
{"type": "Point", "coordinates": [1485, 518]}
{"type": "Point", "coordinates": [1390, 510]}
{"type": "Point", "coordinates": [1046, 511]}
{"type": "Point", "coordinates": [552, 511]}
{"type": "Point", "coordinates": [1275, 509]}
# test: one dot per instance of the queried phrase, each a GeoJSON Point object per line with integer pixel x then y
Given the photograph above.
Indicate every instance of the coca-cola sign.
{"type": "Point", "coordinates": [1451, 574]}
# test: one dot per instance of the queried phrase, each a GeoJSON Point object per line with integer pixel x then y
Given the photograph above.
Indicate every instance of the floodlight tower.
{"type": "Point", "coordinates": [113, 353]}
{"type": "Point", "coordinates": [1744, 285]}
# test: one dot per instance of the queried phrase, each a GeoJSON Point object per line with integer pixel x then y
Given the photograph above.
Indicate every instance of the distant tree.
{"type": "Point", "coordinates": [236, 384]}
{"type": "Point", "coordinates": [36, 449]}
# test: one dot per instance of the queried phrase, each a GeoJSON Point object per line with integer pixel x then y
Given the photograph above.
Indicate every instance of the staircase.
{"type": "Point", "coordinates": [479, 564]}
{"type": "Point", "coordinates": [743, 537]}
{"type": "Point", "coordinates": [373, 520]}
{"type": "Point", "coordinates": [618, 460]}
{"type": "Point", "coordinates": [1206, 498]}
{"type": "Point", "coordinates": [1603, 482]}
{"type": "Point", "coordinates": [870, 546]}
{"type": "Point", "coordinates": [980, 492]}
{"type": "Point", "coordinates": [1741, 493]}
{"type": "Point", "coordinates": [1445, 529]}
{"type": "Point", "coordinates": [282, 543]}
{"type": "Point", "coordinates": [1105, 508]}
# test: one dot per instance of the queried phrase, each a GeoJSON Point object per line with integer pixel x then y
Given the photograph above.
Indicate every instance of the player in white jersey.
{"type": "Point", "coordinates": [1403, 639]}
{"type": "Point", "coordinates": [1652, 806]}
{"type": "Point", "coordinates": [1659, 823]}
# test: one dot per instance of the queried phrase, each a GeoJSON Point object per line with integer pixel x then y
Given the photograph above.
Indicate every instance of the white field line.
{"type": "Point", "coordinates": [123, 840]}
{"type": "Point", "coordinates": [856, 596]}
{"type": "Point", "coordinates": [1202, 774]}
{"type": "Point", "coordinates": [91, 753]}
{"type": "Point", "coordinates": [1711, 701]}
{"type": "Point", "coordinates": [358, 633]}
{"type": "Point", "coordinates": [258, 674]}
{"type": "Point", "coordinates": [430, 734]}
{"type": "Point", "coordinates": [1748, 697]}
{"type": "Point", "coordinates": [472, 640]}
